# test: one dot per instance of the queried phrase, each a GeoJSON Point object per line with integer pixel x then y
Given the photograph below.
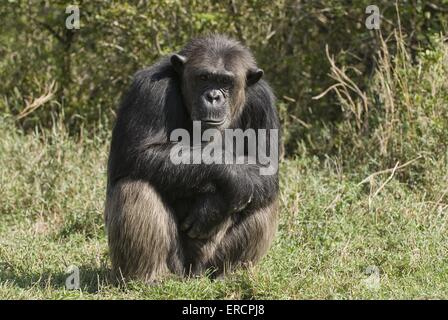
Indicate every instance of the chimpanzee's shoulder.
{"type": "Point", "coordinates": [260, 96]}
{"type": "Point", "coordinates": [260, 110]}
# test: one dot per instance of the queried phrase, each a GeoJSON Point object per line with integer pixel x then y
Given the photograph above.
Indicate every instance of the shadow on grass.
{"type": "Point", "coordinates": [92, 279]}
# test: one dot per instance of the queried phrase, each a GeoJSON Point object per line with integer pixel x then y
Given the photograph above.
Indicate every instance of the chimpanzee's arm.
{"type": "Point", "coordinates": [141, 148]}
{"type": "Point", "coordinates": [260, 113]}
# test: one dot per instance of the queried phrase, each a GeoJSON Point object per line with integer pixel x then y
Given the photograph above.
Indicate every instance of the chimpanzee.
{"type": "Point", "coordinates": [189, 219]}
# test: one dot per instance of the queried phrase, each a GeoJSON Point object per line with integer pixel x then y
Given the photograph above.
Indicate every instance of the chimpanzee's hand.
{"type": "Point", "coordinates": [205, 217]}
{"type": "Point", "coordinates": [238, 188]}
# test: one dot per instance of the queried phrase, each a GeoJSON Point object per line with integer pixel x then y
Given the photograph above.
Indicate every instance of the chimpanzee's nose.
{"type": "Point", "coordinates": [214, 96]}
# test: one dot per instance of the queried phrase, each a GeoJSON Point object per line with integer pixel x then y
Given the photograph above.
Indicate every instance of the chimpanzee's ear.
{"type": "Point", "coordinates": [253, 75]}
{"type": "Point", "coordinates": [178, 61]}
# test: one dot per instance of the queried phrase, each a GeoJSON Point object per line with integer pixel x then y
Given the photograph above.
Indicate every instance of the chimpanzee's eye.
{"type": "Point", "coordinates": [226, 81]}
{"type": "Point", "coordinates": [203, 77]}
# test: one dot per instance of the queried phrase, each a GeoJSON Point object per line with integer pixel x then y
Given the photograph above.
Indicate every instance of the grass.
{"type": "Point", "coordinates": [332, 230]}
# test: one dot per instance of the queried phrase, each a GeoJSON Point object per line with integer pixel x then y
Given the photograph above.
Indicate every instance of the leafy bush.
{"type": "Point", "coordinates": [81, 74]}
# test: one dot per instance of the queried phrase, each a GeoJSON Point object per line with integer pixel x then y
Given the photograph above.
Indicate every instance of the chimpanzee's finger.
{"type": "Point", "coordinates": [188, 221]}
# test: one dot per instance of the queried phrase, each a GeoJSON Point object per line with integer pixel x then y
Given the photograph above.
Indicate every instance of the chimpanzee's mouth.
{"type": "Point", "coordinates": [213, 122]}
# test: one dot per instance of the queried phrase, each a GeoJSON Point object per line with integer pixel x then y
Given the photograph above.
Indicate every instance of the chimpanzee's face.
{"type": "Point", "coordinates": [208, 92]}
{"type": "Point", "coordinates": [213, 90]}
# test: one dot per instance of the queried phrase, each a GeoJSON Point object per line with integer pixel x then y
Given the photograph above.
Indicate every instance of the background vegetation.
{"type": "Point", "coordinates": [364, 185]}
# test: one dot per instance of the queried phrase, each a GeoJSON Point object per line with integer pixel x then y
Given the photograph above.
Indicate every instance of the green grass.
{"type": "Point", "coordinates": [332, 230]}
